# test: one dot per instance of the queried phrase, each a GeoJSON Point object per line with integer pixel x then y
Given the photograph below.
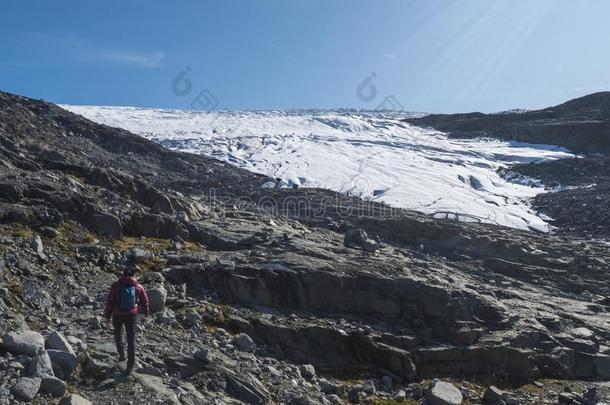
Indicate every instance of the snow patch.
{"type": "Point", "coordinates": [373, 155]}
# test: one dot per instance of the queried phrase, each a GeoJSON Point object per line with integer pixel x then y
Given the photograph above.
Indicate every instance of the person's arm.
{"type": "Point", "coordinates": [143, 301]}
{"type": "Point", "coordinates": [110, 303]}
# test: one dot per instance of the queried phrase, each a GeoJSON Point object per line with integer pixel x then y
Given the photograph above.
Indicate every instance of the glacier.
{"type": "Point", "coordinates": [371, 154]}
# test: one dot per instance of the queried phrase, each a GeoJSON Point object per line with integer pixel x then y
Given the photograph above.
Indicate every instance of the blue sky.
{"type": "Point", "coordinates": [424, 55]}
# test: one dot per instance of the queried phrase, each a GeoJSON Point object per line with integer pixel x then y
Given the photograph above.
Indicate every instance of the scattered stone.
{"type": "Point", "coordinates": [63, 363]}
{"type": "Point", "coordinates": [334, 399]}
{"type": "Point", "coordinates": [187, 366]}
{"type": "Point", "coordinates": [368, 387]}
{"type": "Point", "coordinates": [583, 333]}
{"type": "Point", "coordinates": [157, 297]}
{"type": "Point", "coordinates": [246, 387]}
{"type": "Point", "coordinates": [156, 385]}
{"type": "Point", "coordinates": [49, 232]}
{"type": "Point", "coordinates": [356, 395]}
{"type": "Point", "coordinates": [307, 371]}
{"type": "Point", "coordinates": [192, 317]}
{"type": "Point", "coordinates": [95, 323]}
{"type": "Point", "coordinates": [41, 365]}
{"type": "Point", "coordinates": [167, 317]}
{"type": "Point", "coordinates": [138, 255]}
{"type": "Point", "coordinates": [417, 391]}
{"type": "Point", "coordinates": [566, 398]}
{"type": "Point", "coordinates": [56, 341]}
{"type": "Point", "coordinates": [98, 369]}
{"type": "Point", "coordinates": [400, 396]}
{"type": "Point", "coordinates": [355, 237]}
{"type": "Point", "coordinates": [590, 394]}
{"type": "Point", "coordinates": [38, 247]}
{"type": "Point", "coordinates": [182, 216]}
{"type": "Point", "coordinates": [492, 395]}
{"type": "Point", "coordinates": [444, 393]}
{"type": "Point", "coordinates": [244, 342]}
{"type": "Point", "coordinates": [26, 388]}
{"type": "Point", "coordinates": [52, 386]}
{"type": "Point", "coordinates": [25, 342]}
{"type": "Point", "coordinates": [105, 224]}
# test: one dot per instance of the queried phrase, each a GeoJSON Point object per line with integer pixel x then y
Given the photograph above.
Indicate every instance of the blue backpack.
{"type": "Point", "coordinates": [127, 297]}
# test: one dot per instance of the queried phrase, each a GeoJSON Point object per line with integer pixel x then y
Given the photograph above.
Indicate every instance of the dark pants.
{"type": "Point", "coordinates": [130, 322]}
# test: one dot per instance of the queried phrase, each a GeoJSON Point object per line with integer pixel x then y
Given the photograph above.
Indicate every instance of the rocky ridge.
{"type": "Point", "coordinates": [272, 296]}
{"type": "Point", "coordinates": [582, 124]}
{"type": "Point", "coordinates": [577, 201]}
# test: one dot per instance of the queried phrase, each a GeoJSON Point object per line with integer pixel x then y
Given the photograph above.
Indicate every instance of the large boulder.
{"type": "Point", "coordinates": [98, 368]}
{"type": "Point", "coordinates": [57, 341]}
{"type": "Point", "coordinates": [105, 224]}
{"type": "Point", "coordinates": [63, 363]}
{"type": "Point", "coordinates": [244, 342]}
{"type": "Point", "coordinates": [307, 371]}
{"type": "Point", "coordinates": [37, 246]}
{"type": "Point", "coordinates": [187, 366]}
{"type": "Point", "coordinates": [25, 342]}
{"type": "Point", "coordinates": [492, 395]}
{"type": "Point", "coordinates": [52, 386]}
{"type": "Point", "coordinates": [246, 387]}
{"type": "Point", "coordinates": [155, 385]}
{"type": "Point", "coordinates": [138, 255]}
{"type": "Point", "coordinates": [355, 237]}
{"type": "Point", "coordinates": [41, 365]}
{"type": "Point", "coordinates": [157, 297]}
{"type": "Point", "coordinates": [444, 393]}
{"type": "Point", "coordinates": [26, 388]}
{"type": "Point", "coordinates": [155, 226]}
{"type": "Point", "coordinates": [167, 317]}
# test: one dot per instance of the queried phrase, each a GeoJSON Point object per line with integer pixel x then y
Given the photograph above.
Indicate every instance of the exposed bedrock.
{"type": "Point", "coordinates": [412, 329]}
{"type": "Point", "coordinates": [333, 349]}
{"type": "Point", "coordinates": [410, 301]}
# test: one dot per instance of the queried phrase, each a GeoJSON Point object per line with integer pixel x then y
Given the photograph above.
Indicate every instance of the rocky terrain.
{"type": "Point", "coordinates": [579, 188]}
{"type": "Point", "coordinates": [579, 203]}
{"type": "Point", "coordinates": [582, 124]}
{"type": "Point", "coordinates": [273, 296]}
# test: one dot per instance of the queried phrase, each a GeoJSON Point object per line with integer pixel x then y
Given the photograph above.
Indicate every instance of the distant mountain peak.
{"type": "Point", "coordinates": [597, 101]}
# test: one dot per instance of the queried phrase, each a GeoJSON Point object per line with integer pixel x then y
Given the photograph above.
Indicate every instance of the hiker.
{"type": "Point", "coordinates": [126, 298]}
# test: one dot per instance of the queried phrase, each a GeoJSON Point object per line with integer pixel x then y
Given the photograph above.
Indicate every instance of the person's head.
{"type": "Point", "coordinates": [130, 271]}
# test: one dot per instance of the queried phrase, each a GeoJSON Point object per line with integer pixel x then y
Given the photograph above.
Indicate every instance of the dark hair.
{"type": "Point", "coordinates": [129, 271]}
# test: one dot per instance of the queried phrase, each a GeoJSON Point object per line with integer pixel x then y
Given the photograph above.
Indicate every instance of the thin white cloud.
{"type": "Point", "coordinates": [145, 59]}
{"type": "Point", "coordinates": [80, 49]}
{"type": "Point", "coordinates": [389, 55]}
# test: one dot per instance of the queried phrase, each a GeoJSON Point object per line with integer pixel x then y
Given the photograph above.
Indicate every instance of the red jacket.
{"type": "Point", "coordinates": [112, 303]}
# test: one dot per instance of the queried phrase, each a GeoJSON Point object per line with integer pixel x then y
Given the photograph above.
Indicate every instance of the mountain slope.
{"type": "Point", "coordinates": [581, 125]}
